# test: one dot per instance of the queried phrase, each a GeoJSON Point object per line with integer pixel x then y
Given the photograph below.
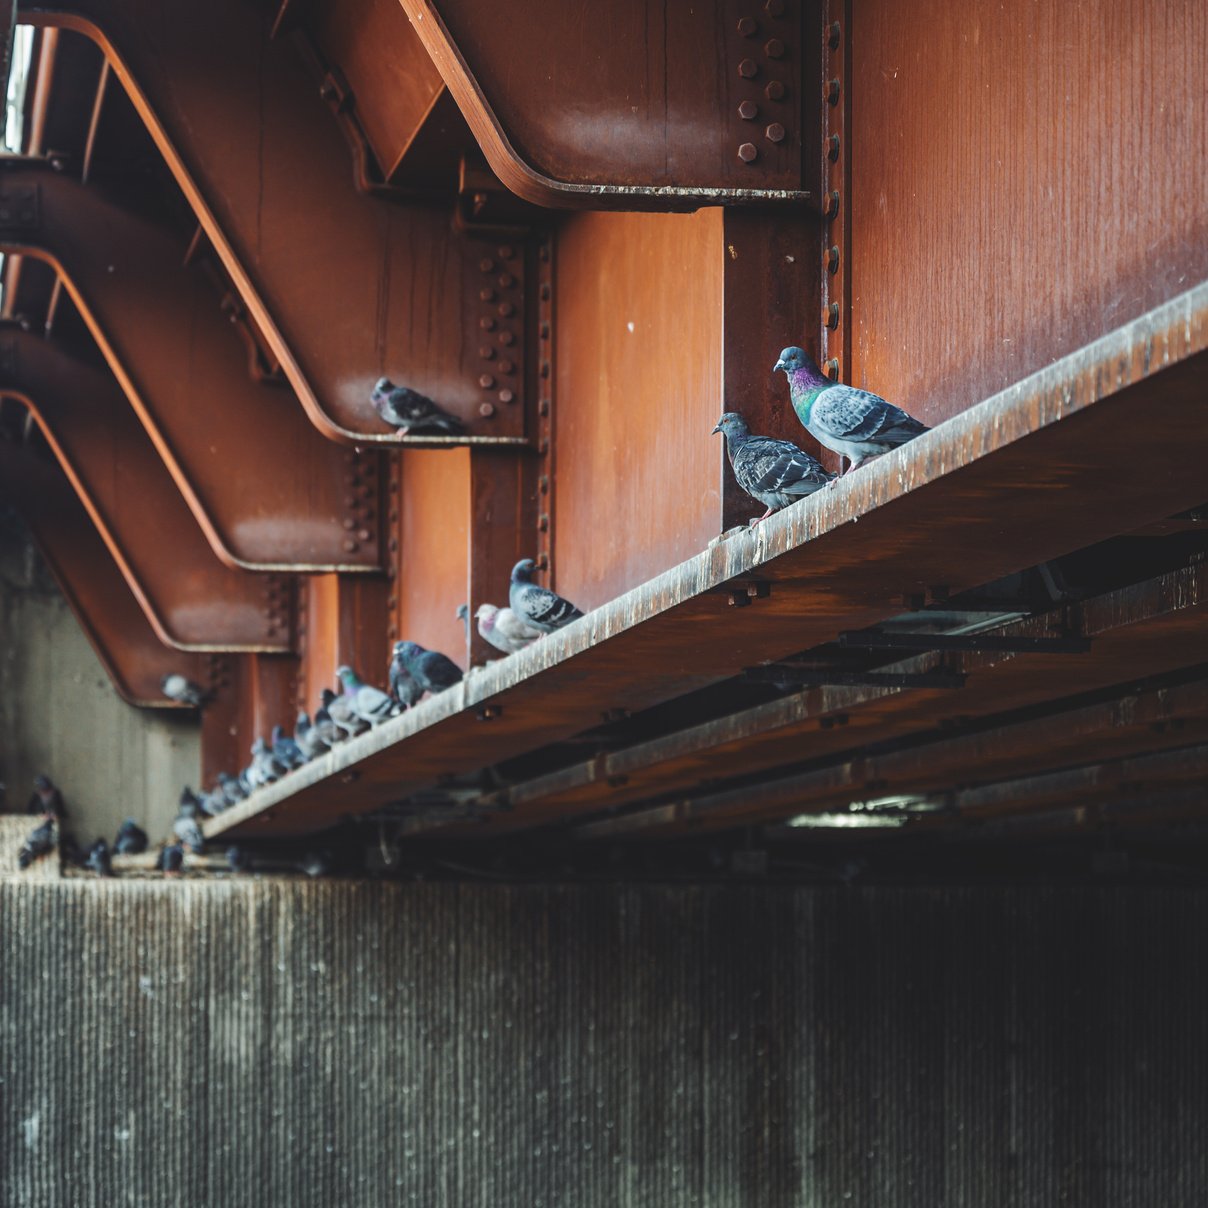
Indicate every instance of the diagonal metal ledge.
{"type": "Point", "coordinates": [1102, 441]}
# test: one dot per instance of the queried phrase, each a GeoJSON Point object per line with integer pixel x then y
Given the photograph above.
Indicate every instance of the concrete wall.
{"type": "Point", "coordinates": [59, 713]}
{"type": "Point", "coordinates": [285, 1043]}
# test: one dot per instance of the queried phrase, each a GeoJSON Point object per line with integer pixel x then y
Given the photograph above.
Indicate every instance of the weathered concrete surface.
{"type": "Point", "coordinates": [285, 1043]}
{"type": "Point", "coordinates": [60, 715]}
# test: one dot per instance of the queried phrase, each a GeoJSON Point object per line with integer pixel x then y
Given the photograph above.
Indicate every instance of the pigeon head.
{"type": "Point", "coordinates": [382, 386]}
{"type": "Point", "coordinates": [187, 796]}
{"type": "Point", "coordinates": [278, 734]}
{"type": "Point", "coordinates": [793, 358]}
{"type": "Point", "coordinates": [260, 747]}
{"type": "Point", "coordinates": [463, 612]}
{"type": "Point", "coordinates": [327, 696]}
{"type": "Point", "coordinates": [407, 650]}
{"type": "Point", "coordinates": [486, 614]}
{"type": "Point", "coordinates": [302, 721]}
{"type": "Point", "coordinates": [42, 783]}
{"type": "Point", "coordinates": [731, 424]}
{"type": "Point", "coordinates": [348, 678]}
{"type": "Point", "coordinates": [522, 572]}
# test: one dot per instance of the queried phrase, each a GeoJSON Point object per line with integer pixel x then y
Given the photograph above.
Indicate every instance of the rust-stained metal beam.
{"type": "Point", "coordinates": [128, 648]}
{"type": "Point", "coordinates": [192, 600]}
{"type": "Point", "coordinates": [679, 105]}
{"type": "Point", "coordinates": [267, 490]}
{"type": "Point", "coordinates": [345, 287]}
{"type": "Point", "coordinates": [1042, 469]}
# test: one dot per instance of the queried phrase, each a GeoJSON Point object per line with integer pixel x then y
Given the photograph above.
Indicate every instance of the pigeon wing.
{"type": "Point", "coordinates": [848, 414]}
{"type": "Point", "coordinates": [766, 466]}
{"type": "Point", "coordinates": [543, 607]}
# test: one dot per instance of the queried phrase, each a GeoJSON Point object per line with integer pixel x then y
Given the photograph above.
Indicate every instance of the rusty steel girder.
{"type": "Point", "coordinates": [345, 287]}
{"type": "Point", "coordinates": [676, 105]}
{"type": "Point", "coordinates": [267, 490]}
{"type": "Point", "coordinates": [191, 599]}
{"type": "Point", "coordinates": [126, 645]}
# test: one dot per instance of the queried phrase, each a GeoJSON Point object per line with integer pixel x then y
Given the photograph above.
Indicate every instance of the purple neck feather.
{"type": "Point", "coordinates": [807, 378]}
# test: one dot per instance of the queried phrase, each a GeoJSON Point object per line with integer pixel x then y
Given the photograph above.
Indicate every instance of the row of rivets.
{"type": "Point", "coordinates": [751, 70]}
{"type": "Point", "coordinates": [501, 296]}
{"type": "Point", "coordinates": [545, 387]}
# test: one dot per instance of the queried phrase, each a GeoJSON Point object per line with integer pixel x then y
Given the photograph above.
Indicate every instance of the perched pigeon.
{"type": "Point", "coordinates": [172, 859]}
{"type": "Point", "coordinates": [186, 827]}
{"type": "Point", "coordinates": [265, 767]}
{"type": "Point", "coordinates": [775, 472]}
{"type": "Point", "coordinates": [184, 691]}
{"type": "Point", "coordinates": [339, 709]}
{"type": "Point", "coordinates": [504, 629]}
{"type": "Point", "coordinates": [409, 411]}
{"type": "Point", "coordinates": [315, 864]}
{"type": "Point", "coordinates": [232, 790]}
{"type": "Point", "coordinates": [404, 687]}
{"type": "Point", "coordinates": [285, 750]}
{"type": "Point", "coordinates": [238, 858]}
{"type": "Point", "coordinates": [46, 799]}
{"type": "Point", "coordinates": [130, 839]}
{"type": "Point", "coordinates": [463, 615]}
{"type": "Point", "coordinates": [310, 740]}
{"type": "Point", "coordinates": [538, 606]}
{"type": "Point", "coordinates": [370, 704]}
{"type": "Point", "coordinates": [37, 843]}
{"type": "Point", "coordinates": [212, 803]}
{"type": "Point", "coordinates": [431, 670]}
{"type": "Point", "coordinates": [98, 859]}
{"type": "Point", "coordinates": [854, 423]}
{"type": "Point", "coordinates": [324, 729]}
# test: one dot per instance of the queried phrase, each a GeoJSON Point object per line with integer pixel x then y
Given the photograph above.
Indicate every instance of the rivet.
{"type": "Point", "coordinates": [506, 367]}
{"type": "Point", "coordinates": [545, 292]}
{"type": "Point", "coordinates": [543, 561]}
{"type": "Point", "coordinates": [506, 280]}
{"type": "Point", "coordinates": [543, 484]}
{"type": "Point", "coordinates": [486, 265]}
{"type": "Point", "coordinates": [543, 446]}
{"type": "Point", "coordinates": [543, 253]}
{"type": "Point", "coordinates": [349, 523]}
{"type": "Point", "coordinates": [832, 259]}
{"type": "Point", "coordinates": [394, 516]}
{"type": "Point", "coordinates": [544, 331]}
{"type": "Point", "coordinates": [393, 543]}
{"type": "Point", "coordinates": [506, 252]}
{"type": "Point", "coordinates": [747, 153]}
{"type": "Point", "coordinates": [487, 324]}
{"type": "Point", "coordinates": [775, 133]}
{"type": "Point", "coordinates": [486, 410]}
{"type": "Point", "coordinates": [507, 396]}
{"type": "Point", "coordinates": [831, 315]}
{"type": "Point", "coordinates": [487, 295]}
{"type": "Point", "coordinates": [364, 534]}
{"type": "Point", "coordinates": [834, 34]}
{"type": "Point", "coordinates": [748, 69]}
{"type": "Point", "coordinates": [775, 90]}
{"type": "Point", "coordinates": [486, 381]}
{"type": "Point", "coordinates": [506, 338]}
{"type": "Point", "coordinates": [506, 310]}
{"type": "Point", "coordinates": [832, 150]}
{"type": "Point", "coordinates": [746, 27]}
{"type": "Point", "coordinates": [830, 90]}
{"type": "Point", "coordinates": [832, 370]}
{"type": "Point", "coordinates": [774, 8]}
{"type": "Point", "coordinates": [545, 370]}
{"type": "Point", "coordinates": [831, 207]}
{"type": "Point", "coordinates": [487, 352]}
{"type": "Point", "coordinates": [748, 111]}
{"type": "Point", "coordinates": [543, 523]}
{"type": "Point", "coordinates": [350, 546]}
{"type": "Point", "coordinates": [543, 407]}
{"type": "Point", "coordinates": [774, 49]}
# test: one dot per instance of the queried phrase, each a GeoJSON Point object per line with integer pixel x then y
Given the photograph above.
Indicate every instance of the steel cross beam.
{"type": "Point", "coordinates": [191, 599]}
{"type": "Point", "coordinates": [126, 645]}
{"type": "Point", "coordinates": [267, 490]}
{"type": "Point", "coordinates": [345, 287]}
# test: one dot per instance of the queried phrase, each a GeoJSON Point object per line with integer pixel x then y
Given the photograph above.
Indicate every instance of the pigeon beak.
{"type": "Point", "coordinates": [715, 430]}
{"type": "Point", "coordinates": [779, 365]}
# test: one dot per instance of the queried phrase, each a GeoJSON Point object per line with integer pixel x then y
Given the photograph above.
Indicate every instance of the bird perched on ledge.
{"type": "Point", "coordinates": [184, 691]}
{"type": "Point", "coordinates": [538, 607]}
{"type": "Point", "coordinates": [775, 472]}
{"type": "Point", "coordinates": [46, 799]}
{"type": "Point", "coordinates": [37, 843]}
{"type": "Point", "coordinates": [367, 703]}
{"type": "Point", "coordinates": [429, 670]}
{"type": "Point", "coordinates": [856, 424]}
{"type": "Point", "coordinates": [504, 629]}
{"type": "Point", "coordinates": [409, 411]}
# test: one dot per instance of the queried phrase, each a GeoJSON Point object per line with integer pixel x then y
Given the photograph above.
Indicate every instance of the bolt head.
{"type": "Point", "coordinates": [748, 153]}
{"type": "Point", "coordinates": [775, 90]}
{"type": "Point", "coordinates": [746, 27]}
{"type": "Point", "coordinates": [486, 352]}
{"type": "Point", "coordinates": [486, 381]}
{"type": "Point", "coordinates": [487, 324]}
{"type": "Point", "coordinates": [774, 49]}
{"type": "Point", "coordinates": [506, 252]}
{"type": "Point", "coordinates": [775, 133]}
{"type": "Point", "coordinates": [486, 410]}
{"type": "Point", "coordinates": [507, 396]}
{"type": "Point", "coordinates": [748, 69]}
{"type": "Point", "coordinates": [506, 310]}
{"type": "Point", "coordinates": [748, 111]}
{"type": "Point", "coordinates": [487, 295]}
{"type": "Point", "coordinates": [486, 265]}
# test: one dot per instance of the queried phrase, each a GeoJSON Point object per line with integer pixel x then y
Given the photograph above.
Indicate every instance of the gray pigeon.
{"type": "Point", "coordinates": [339, 709]}
{"type": "Point", "coordinates": [130, 839]}
{"type": "Point", "coordinates": [404, 687]}
{"type": "Point", "coordinates": [775, 472]}
{"type": "Point", "coordinates": [409, 411]}
{"type": "Point", "coordinates": [538, 606]}
{"type": "Point", "coordinates": [212, 803]}
{"type": "Point", "coordinates": [853, 423]}
{"type": "Point", "coordinates": [315, 864]}
{"type": "Point", "coordinates": [186, 827]}
{"type": "Point", "coordinates": [238, 859]}
{"type": "Point", "coordinates": [325, 730]}
{"type": "Point", "coordinates": [232, 790]}
{"type": "Point", "coordinates": [431, 670]}
{"type": "Point", "coordinates": [46, 799]}
{"type": "Point", "coordinates": [37, 843]}
{"type": "Point", "coordinates": [98, 859]}
{"type": "Point", "coordinates": [172, 859]}
{"type": "Point", "coordinates": [463, 615]}
{"type": "Point", "coordinates": [370, 704]}
{"type": "Point", "coordinates": [310, 741]}
{"type": "Point", "coordinates": [264, 768]}
{"type": "Point", "coordinates": [504, 629]}
{"type": "Point", "coordinates": [285, 750]}
{"type": "Point", "coordinates": [184, 691]}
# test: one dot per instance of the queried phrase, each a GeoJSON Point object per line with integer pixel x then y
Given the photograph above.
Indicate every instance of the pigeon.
{"type": "Point", "coordinates": [315, 864]}
{"type": "Point", "coordinates": [212, 803]}
{"type": "Point", "coordinates": [404, 686]}
{"type": "Point", "coordinates": [432, 671]}
{"type": "Point", "coordinates": [46, 799]}
{"type": "Point", "coordinates": [130, 839]}
{"type": "Point", "coordinates": [182, 690]}
{"type": "Point", "coordinates": [285, 750]}
{"type": "Point", "coordinates": [265, 767]}
{"type": "Point", "coordinates": [370, 704]}
{"type": "Point", "coordinates": [171, 859]}
{"type": "Point", "coordinates": [310, 741]}
{"type": "Point", "coordinates": [853, 423]}
{"type": "Point", "coordinates": [409, 411]}
{"type": "Point", "coordinates": [238, 858]}
{"type": "Point", "coordinates": [324, 729]}
{"type": "Point", "coordinates": [339, 709]}
{"type": "Point", "coordinates": [536, 606]}
{"type": "Point", "coordinates": [463, 615]}
{"type": "Point", "coordinates": [775, 472]}
{"type": "Point", "coordinates": [37, 843]}
{"type": "Point", "coordinates": [98, 859]}
{"type": "Point", "coordinates": [186, 827]}
{"type": "Point", "coordinates": [232, 790]}
{"type": "Point", "coordinates": [504, 629]}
